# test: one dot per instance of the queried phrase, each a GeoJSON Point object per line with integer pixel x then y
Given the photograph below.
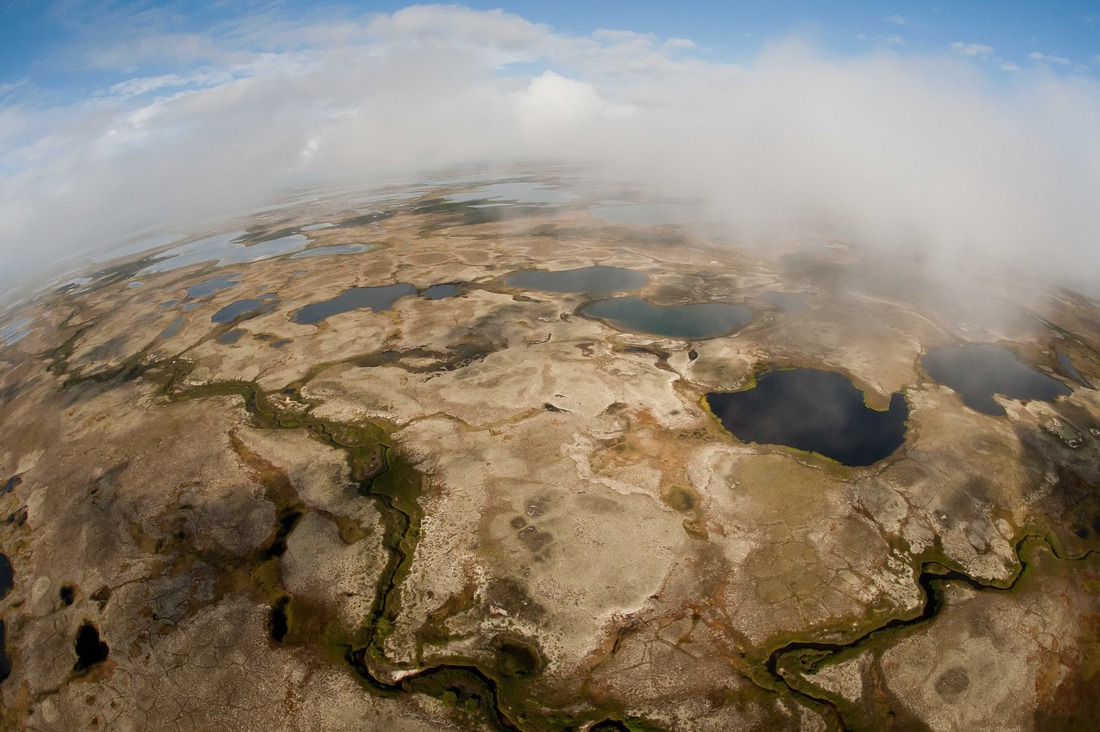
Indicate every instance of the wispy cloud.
{"type": "Point", "coordinates": [896, 19]}
{"type": "Point", "coordinates": [1049, 59]}
{"type": "Point", "coordinates": [147, 84]}
{"type": "Point", "coordinates": [973, 50]}
{"type": "Point", "coordinates": [905, 149]}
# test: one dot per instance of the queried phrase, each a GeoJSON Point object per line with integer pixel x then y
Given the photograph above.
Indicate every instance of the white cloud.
{"type": "Point", "coordinates": [903, 148]}
{"type": "Point", "coordinates": [1008, 66]}
{"type": "Point", "coordinates": [146, 84]}
{"type": "Point", "coordinates": [896, 19]}
{"type": "Point", "coordinates": [1048, 59]}
{"type": "Point", "coordinates": [974, 50]}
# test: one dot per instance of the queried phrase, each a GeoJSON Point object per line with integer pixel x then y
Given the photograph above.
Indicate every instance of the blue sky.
{"type": "Point", "coordinates": [43, 44]}
{"type": "Point", "coordinates": [963, 128]}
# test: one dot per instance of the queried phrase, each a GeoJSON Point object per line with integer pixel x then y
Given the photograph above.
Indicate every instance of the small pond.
{"type": "Point", "coordinates": [592, 280]}
{"type": "Point", "coordinates": [977, 372]}
{"type": "Point", "coordinates": [242, 308]}
{"type": "Point", "coordinates": [356, 298]}
{"type": "Point", "coordinates": [812, 410]}
{"type": "Point", "coordinates": [173, 328]}
{"type": "Point", "coordinates": [5, 662]}
{"type": "Point", "coordinates": [692, 321]}
{"type": "Point", "coordinates": [1070, 370]}
{"type": "Point", "coordinates": [230, 337]}
{"type": "Point", "coordinates": [7, 576]}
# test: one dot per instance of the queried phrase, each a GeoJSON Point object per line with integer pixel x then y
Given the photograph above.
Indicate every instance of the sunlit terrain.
{"type": "Point", "coordinates": [475, 455]}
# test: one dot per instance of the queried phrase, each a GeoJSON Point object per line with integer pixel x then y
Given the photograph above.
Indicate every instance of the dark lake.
{"type": "Point", "coordinates": [240, 308]}
{"type": "Point", "coordinates": [5, 662]}
{"type": "Point", "coordinates": [230, 337]}
{"type": "Point", "coordinates": [356, 298]}
{"type": "Point", "coordinates": [692, 321]}
{"type": "Point", "coordinates": [7, 576]}
{"type": "Point", "coordinates": [1070, 370]}
{"type": "Point", "coordinates": [173, 328]}
{"type": "Point", "coordinates": [593, 280]}
{"type": "Point", "coordinates": [439, 292]}
{"type": "Point", "coordinates": [978, 372]}
{"type": "Point", "coordinates": [813, 410]}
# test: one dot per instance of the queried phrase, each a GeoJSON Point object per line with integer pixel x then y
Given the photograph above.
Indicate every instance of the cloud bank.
{"type": "Point", "coordinates": [914, 151]}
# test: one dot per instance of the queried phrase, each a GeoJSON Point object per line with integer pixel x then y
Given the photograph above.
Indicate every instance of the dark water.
{"type": "Point", "coordinates": [592, 280]}
{"type": "Point", "coordinates": [439, 292]}
{"type": "Point", "coordinates": [212, 285]}
{"type": "Point", "coordinates": [817, 411]}
{"type": "Point", "coordinates": [11, 483]}
{"type": "Point", "coordinates": [692, 321]}
{"type": "Point", "coordinates": [240, 308]}
{"type": "Point", "coordinates": [90, 649]}
{"type": "Point", "coordinates": [7, 576]}
{"type": "Point", "coordinates": [230, 337]}
{"type": "Point", "coordinates": [980, 371]}
{"type": "Point", "coordinates": [5, 662]}
{"type": "Point", "coordinates": [173, 328]}
{"type": "Point", "coordinates": [375, 298]}
{"type": "Point", "coordinates": [1070, 370]}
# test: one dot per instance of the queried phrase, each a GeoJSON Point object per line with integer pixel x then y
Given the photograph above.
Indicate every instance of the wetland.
{"type": "Point", "coordinates": [597, 492]}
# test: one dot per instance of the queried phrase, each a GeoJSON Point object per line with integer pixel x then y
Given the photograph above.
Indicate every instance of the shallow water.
{"type": "Point", "coordinates": [14, 332]}
{"type": "Point", "coordinates": [375, 298]}
{"type": "Point", "coordinates": [977, 372]}
{"type": "Point", "coordinates": [212, 285]}
{"type": "Point", "coordinates": [592, 280]}
{"type": "Point", "coordinates": [651, 213]}
{"type": "Point", "coordinates": [519, 192]}
{"type": "Point", "coordinates": [333, 249]}
{"type": "Point", "coordinates": [226, 249]}
{"type": "Point", "coordinates": [250, 307]}
{"type": "Point", "coordinates": [1071, 370]}
{"type": "Point", "coordinates": [812, 410]}
{"type": "Point", "coordinates": [691, 321]}
{"type": "Point", "coordinates": [173, 328]}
